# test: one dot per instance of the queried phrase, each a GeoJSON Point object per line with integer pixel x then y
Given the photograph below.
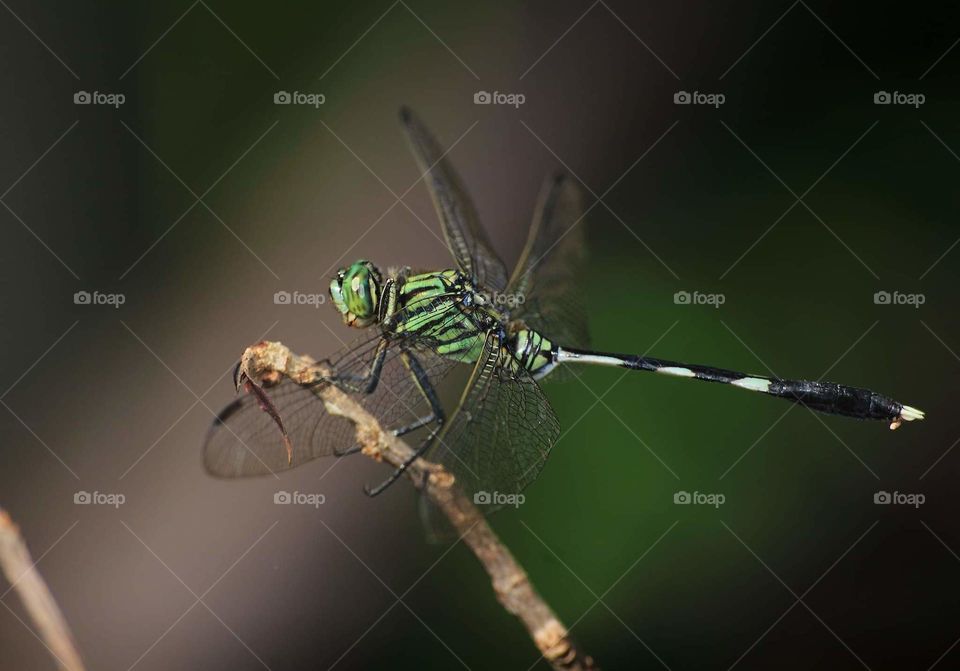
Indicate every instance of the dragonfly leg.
{"type": "Point", "coordinates": [401, 469]}
{"type": "Point", "coordinates": [347, 452]}
{"type": "Point", "coordinates": [367, 383]}
{"type": "Point", "coordinates": [402, 431]}
{"type": "Point", "coordinates": [436, 416]}
{"type": "Point", "coordinates": [414, 425]}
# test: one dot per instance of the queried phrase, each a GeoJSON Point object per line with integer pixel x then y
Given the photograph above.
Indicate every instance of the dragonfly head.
{"type": "Point", "coordinates": [356, 292]}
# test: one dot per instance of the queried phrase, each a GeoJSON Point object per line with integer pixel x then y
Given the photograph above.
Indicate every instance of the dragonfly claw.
{"type": "Point", "coordinates": [243, 381]}
{"type": "Point", "coordinates": [371, 492]}
{"type": "Point", "coordinates": [239, 376]}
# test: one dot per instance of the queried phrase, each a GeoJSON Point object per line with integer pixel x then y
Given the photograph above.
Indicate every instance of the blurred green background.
{"type": "Point", "coordinates": [700, 201]}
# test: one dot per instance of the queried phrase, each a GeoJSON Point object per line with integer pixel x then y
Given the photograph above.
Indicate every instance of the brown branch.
{"type": "Point", "coordinates": [511, 584]}
{"type": "Point", "coordinates": [20, 569]}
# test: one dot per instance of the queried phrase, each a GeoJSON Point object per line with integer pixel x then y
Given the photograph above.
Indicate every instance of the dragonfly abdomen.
{"type": "Point", "coordinates": [532, 351]}
{"type": "Point", "coordinates": [826, 397]}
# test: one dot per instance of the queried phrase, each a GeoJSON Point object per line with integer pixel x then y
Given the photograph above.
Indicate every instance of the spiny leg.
{"type": "Point", "coordinates": [414, 425]}
{"type": "Point", "coordinates": [436, 416]}
{"type": "Point", "coordinates": [825, 397]}
{"type": "Point", "coordinates": [367, 383]}
{"type": "Point", "coordinates": [402, 431]}
{"type": "Point", "coordinates": [364, 384]}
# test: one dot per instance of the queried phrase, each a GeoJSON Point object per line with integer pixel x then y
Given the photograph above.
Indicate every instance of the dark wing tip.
{"type": "Point", "coordinates": [222, 417]}
{"type": "Point", "coordinates": [225, 414]}
{"type": "Point", "coordinates": [406, 115]}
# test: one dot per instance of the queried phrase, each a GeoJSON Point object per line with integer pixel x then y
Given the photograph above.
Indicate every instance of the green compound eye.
{"type": "Point", "coordinates": [337, 294]}
{"type": "Point", "coordinates": [356, 293]}
{"type": "Point", "coordinates": [360, 289]}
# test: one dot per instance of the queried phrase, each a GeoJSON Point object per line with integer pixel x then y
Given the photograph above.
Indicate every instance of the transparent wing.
{"type": "Point", "coordinates": [550, 270]}
{"type": "Point", "coordinates": [461, 228]}
{"type": "Point", "coordinates": [245, 439]}
{"type": "Point", "coordinates": [500, 435]}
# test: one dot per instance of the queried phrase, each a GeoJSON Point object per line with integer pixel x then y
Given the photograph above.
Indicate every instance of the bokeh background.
{"type": "Point", "coordinates": [199, 198]}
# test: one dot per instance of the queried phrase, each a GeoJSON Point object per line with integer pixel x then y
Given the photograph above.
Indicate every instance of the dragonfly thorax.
{"type": "Point", "coordinates": [445, 311]}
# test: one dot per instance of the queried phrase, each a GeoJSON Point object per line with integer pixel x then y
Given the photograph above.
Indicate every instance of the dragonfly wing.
{"type": "Point", "coordinates": [550, 270]}
{"type": "Point", "coordinates": [465, 236]}
{"type": "Point", "coordinates": [397, 400]}
{"type": "Point", "coordinates": [246, 440]}
{"type": "Point", "coordinates": [500, 435]}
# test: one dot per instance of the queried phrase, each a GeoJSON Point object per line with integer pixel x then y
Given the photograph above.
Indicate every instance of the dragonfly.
{"type": "Point", "coordinates": [509, 330]}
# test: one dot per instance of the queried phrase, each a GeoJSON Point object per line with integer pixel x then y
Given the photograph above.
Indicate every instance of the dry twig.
{"type": "Point", "coordinates": [22, 573]}
{"type": "Point", "coordinates": [511, 584]}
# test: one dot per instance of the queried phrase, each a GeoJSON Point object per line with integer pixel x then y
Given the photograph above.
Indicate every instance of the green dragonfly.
{"type": "Point", "coordinates": [512, 329]}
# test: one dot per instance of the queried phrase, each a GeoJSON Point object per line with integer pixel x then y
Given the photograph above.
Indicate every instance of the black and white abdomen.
{"type": "Point", "coordinates": [532, 351]}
